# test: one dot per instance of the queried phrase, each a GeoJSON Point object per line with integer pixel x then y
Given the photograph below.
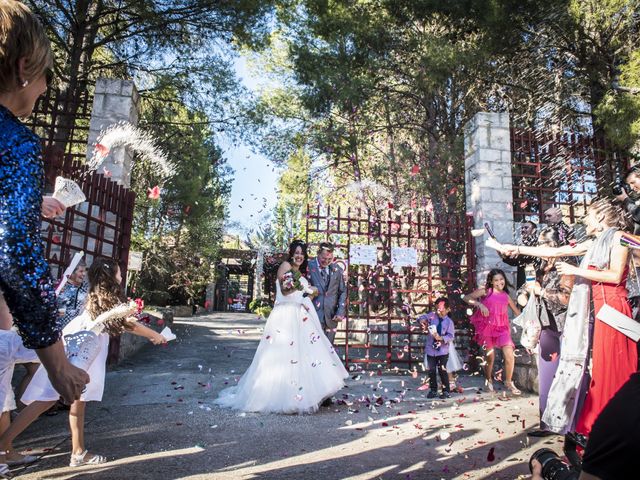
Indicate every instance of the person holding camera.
{"type": "Point", "coordinates": [632, 180]}
{"type": "Point", "coordinates": [632, 207]}
{"type": "Point", "coordinates": [613, 447]}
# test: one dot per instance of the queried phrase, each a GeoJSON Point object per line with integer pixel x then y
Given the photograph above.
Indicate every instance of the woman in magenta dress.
{"type": "Point", "coordinates": [614, 355]}
{"type": "Point", "coordinates": [493, 329]}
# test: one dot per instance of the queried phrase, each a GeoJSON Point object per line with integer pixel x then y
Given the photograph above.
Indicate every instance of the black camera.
{"type": "Point", "coordinates": [619, 185]}
{"type": "Point", "coordinates": [619, 188]}
{"type": "Point", "coordinates": [552, 467]}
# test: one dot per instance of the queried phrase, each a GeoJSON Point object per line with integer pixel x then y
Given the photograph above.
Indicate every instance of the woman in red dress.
{"type": "Point", "coordinates": [614, 355]}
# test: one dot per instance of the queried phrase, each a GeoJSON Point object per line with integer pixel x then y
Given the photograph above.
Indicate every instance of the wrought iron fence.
{"type": "Point", "coordinates": [384, 302]}
{"type": "Point", "coordinates": [564, 170]}
{"type": "Point", "coordinates": [102, 225]}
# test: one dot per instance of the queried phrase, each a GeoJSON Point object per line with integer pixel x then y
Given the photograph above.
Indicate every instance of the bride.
{"type": "Point", "coordinates": [295, 366]}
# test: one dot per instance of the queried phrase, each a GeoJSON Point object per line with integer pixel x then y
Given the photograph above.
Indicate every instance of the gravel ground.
{"type": "Point", "coordinates": [157, 421]}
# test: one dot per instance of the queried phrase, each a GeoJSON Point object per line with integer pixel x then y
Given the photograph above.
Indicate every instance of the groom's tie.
{"type": "Point", "coordinates": [324, 275]}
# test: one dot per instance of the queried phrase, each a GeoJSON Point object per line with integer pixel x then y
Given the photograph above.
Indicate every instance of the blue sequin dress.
{"type": "Point", "coordinates": [25, 278]}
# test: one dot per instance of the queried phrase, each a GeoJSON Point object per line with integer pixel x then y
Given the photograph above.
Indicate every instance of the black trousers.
{"type": "Point", "coordinates": [438, 365]}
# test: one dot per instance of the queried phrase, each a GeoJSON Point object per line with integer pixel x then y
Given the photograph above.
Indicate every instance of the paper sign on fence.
{"type": "Point", "coordinates": [404, 257]}
{"type": "Point", "coordinates": [135, 261]}
{"type": "Point", "coordinates": [363, 255]}
{"type": "Point", "coordinates": [620, 322]}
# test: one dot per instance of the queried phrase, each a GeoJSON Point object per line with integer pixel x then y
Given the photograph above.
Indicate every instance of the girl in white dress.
{"type": "Point", "coordinates": [12, 351]}
{"type": "Point", "coordinates": [454, 364]}
{"type": "Point", "coordinates": [295, 366]}
{"type": "Point", "coordinates": [105, 293]}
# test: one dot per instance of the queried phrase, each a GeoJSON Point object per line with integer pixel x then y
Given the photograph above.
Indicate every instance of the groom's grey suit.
{"type": "Point", "coordinates": [332, 295]}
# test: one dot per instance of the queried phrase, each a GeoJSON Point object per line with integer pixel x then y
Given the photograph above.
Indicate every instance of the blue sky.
{"type": "Point", "coordinates": [255, 178]}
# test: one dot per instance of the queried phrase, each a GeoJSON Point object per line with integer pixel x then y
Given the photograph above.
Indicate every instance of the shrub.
{"type": "Point", "coordinates": [259, 303]}
{"type": "Point", "coordinates": [264, 312]}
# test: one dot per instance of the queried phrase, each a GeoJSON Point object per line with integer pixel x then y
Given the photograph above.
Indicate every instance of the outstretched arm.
{"type": "Point", "coordinates": [138, 329]}
{"type": "Point", "coordinates": [473, 299]}
{"type": "Point", "coordinates": [541, 251]}
{"type": "Point", "coordinates": [613, 274]}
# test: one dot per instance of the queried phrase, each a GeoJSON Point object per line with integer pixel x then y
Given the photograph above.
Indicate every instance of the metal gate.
{"type": "Point", "coordinates": [102, 225]}
{"type": "Point", "coordinates": [566, 170]}
{"type": "Point", "coordinates": [383, 302]}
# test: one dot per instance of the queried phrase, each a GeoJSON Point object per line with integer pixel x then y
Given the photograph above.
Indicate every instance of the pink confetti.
{"type": "Point", "coordinates": [102, 150]}
{"type": "Point", "coordinates": [153, 193]}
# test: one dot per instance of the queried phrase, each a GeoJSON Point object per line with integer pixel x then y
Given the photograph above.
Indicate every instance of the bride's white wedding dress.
{"type": "Point", "coordinates": [295, 366]}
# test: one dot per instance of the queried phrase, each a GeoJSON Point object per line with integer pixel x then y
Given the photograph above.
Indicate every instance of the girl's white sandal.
{"type": "Point", "coordinates": [78, 460]}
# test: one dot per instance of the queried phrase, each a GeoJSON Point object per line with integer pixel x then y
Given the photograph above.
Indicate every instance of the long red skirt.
{"type": "Point", "coordinates": [614, 356]}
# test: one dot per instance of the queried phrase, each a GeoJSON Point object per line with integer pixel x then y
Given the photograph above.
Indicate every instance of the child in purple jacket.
{"type": "Point", "coordinates": [439, 331]}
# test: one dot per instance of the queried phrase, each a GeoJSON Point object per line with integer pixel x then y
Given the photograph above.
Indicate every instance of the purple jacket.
{"type": "Point", "coordinates": [448, 332]}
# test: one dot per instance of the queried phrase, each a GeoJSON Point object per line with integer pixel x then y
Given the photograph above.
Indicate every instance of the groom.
{"type": "Point", "coordinates": [328, 278]}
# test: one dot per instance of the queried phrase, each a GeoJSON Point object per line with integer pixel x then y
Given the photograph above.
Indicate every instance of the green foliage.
{"type": "Point", "coordinates": [619, 111]}
{"type": "Point", "coordinates": [383, 88]}
{"type": "Point", "coordinates": [264, 312]}
{"type": "Point", "coordinates": [259, 302]}
{"type": "Point", "coordinates": [181, 233]}
{"type": "Point", "coordinates": [295, 188]}
{"type": "Point", "coordinates": [261, 307]}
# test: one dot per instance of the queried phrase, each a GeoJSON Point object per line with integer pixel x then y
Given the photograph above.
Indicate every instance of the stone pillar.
{"type": "Point", "coordinates": [114, 101]}
{"type": "Point", "coordinates": [489, 195]}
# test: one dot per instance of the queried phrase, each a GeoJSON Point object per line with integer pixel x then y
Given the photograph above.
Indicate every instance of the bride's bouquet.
{"type": "Point", "coordinates": [291, 281]}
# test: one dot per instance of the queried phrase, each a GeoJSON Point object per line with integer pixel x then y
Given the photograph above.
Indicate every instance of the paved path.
{"type": "Point", "coordinates": [157, 422]}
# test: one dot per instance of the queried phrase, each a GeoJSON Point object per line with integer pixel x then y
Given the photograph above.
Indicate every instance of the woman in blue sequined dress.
{"type": "Point", "coordinates": [25, 280]}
